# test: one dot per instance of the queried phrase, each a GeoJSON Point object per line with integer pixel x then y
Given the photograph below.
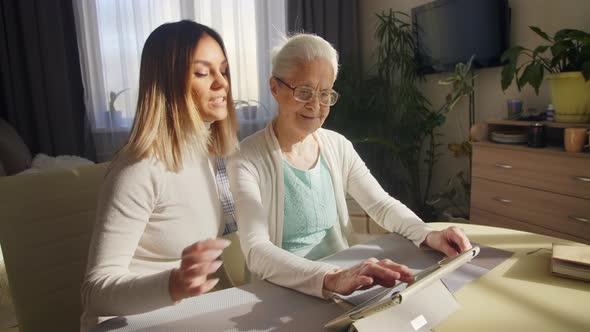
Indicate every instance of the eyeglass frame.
{"type": "Point", "coordinates": [314, 91]}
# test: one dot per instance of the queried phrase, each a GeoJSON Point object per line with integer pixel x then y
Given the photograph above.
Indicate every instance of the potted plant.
{"type": "Point", "coordinates": [566, 58]}
{"type": "Point", "coordinates": [388, 111]}
{"type": "Point", "coordinates": [114, 116]}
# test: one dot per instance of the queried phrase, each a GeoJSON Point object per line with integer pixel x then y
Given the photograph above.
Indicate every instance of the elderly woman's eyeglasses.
{"type": "Point", "coordinates": [306, 94]}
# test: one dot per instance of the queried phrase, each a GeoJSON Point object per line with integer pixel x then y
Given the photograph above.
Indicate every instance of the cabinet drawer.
{"type": "Point", "coordinates": [482, 217]}
{"type": "Point", "coordinates": [564, 214]}
{"type": "Point", "coordinates": [556, 172]}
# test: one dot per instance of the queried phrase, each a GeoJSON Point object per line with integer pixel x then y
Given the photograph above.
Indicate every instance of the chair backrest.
{"type": "Point", "coordinates": [46, 222]}
{"type": "Point", "coordinates": [234, 262]}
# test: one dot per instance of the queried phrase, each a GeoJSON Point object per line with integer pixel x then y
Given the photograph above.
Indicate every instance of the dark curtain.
{"type": "Point", "coordinates": [41, 89]}
{"type": "Point", "coordinates": [334, 20]}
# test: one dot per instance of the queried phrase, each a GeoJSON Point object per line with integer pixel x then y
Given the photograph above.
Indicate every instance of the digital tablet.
{"type": "Point", "coordinates": [421, 280]}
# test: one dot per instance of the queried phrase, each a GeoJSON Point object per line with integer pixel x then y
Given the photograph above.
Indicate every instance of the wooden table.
{"type": "Point", "coordinates": [521, 294]}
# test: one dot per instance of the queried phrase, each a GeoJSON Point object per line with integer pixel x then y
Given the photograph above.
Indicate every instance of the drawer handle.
{"type": "Point", "coordinates": [579, 219]}
{"type": "Point", "coordinates": [505, 166]}
{"type": "Point", "coordinates": [503, 200]}
{"type": "Point", "coordinates": [582, 178]}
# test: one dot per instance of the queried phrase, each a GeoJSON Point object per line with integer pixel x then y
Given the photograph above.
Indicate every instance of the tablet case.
{"type": "Point", "coordinates": [421, 312]}
{"type": "Point", "coordinates": [417, 308]}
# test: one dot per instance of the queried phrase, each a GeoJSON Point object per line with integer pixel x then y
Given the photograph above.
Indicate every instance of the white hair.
{"type": "Point", "coordinates": [300, 49]}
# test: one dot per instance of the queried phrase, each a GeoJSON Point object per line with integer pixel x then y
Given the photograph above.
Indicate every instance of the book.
{"type": "Point", "coordinates": [572, 261]}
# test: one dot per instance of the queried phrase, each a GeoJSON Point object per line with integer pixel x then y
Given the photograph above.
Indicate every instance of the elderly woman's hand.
{"type": "Point", "coordinates": [198, 261]}
{"type": "Point", "coordinates": [450, 241]}
{"type": "Point", "coordinates": [369, 273]}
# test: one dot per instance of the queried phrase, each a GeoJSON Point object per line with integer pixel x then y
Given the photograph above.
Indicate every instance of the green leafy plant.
{"type": "Point", "coordinates": [453, 199]}
{"type": "Point", "coordinates": [389, 111]}
{"type": "Point", "coordinates": [568, 50]}
{"type": "Point", "coordinates": [454, 196]}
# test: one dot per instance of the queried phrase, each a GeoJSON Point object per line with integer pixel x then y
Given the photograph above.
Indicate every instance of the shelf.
{"type": "Point", "coordinates": [550, 124]}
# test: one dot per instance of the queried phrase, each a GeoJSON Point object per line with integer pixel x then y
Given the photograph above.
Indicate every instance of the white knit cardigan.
{"type": "Point", "coordinates": [256, 180]}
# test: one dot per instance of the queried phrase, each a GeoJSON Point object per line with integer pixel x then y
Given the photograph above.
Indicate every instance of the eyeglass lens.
{"type": "Point", "coordinates": [305, 94]}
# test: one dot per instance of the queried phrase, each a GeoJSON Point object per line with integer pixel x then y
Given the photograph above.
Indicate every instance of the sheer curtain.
{"type": "Point", "coordinates": [111, 35]}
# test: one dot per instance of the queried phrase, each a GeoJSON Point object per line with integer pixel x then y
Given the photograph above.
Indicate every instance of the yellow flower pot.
{"type": "Point", "coordinates": [570, 95]}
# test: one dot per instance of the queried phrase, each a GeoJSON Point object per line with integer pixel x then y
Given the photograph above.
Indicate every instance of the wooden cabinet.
{"type": "Point", "coordinates": [541, 190]}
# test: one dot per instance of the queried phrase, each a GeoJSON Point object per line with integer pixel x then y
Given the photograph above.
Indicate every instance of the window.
{"type": "Point", "coordinates": [111, 35]}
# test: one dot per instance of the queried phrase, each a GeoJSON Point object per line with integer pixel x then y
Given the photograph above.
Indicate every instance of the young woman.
{"type": "Point", "coordinates": [159, 216]}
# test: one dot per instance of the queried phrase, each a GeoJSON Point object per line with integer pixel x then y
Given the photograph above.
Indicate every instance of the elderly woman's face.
{"type": "Point", "coordinates": [304, 117]}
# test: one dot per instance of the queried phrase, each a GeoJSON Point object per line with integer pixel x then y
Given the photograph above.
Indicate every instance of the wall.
{"type": "Point", "coordinates": [549, 15]}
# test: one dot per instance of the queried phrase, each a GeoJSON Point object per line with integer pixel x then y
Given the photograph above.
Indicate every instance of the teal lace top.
{"type": "Point", "coordinates": [310, 226]}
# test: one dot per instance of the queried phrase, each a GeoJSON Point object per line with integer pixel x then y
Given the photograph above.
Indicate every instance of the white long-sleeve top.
{"type": "Point", "coordinates": [256, 180]}
{"type": "Point", "coordinates": [145, 217]}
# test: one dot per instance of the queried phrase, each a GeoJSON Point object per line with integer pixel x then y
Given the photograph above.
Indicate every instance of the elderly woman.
{"type": "Point", "coordinates": [289, 183]}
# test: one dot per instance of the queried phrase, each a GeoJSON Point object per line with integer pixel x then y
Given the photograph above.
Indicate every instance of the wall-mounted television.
{"type": "Point", "coordinates": [451, 31]}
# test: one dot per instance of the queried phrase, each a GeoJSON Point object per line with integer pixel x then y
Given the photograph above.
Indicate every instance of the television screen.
{"type": "Point", "coordinates": [451, 31]}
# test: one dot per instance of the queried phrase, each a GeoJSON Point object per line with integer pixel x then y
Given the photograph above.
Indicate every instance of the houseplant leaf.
{"type": "Point", "coordinates": [511, 57]}
{"type": "Point", "coordinates": [558, 49]}
{"type": "Point", "coordinates": [536, 76]}
{"type": "Point", "coordinates": [562, 34]}
{"type": "Point", "coordinates": [540, 33]}
{"type": "Point", "coordinates": [540, 49]}
{"type": "Point", "coordinates": [524, 78]}
{"type": "Point", "coordinates": [511, 54]}
{"type": "Point", "coordinates": [577, 35]}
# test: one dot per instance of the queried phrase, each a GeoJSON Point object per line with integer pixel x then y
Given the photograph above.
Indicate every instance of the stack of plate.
{"type": "Point", "coordinates": [509, 137]}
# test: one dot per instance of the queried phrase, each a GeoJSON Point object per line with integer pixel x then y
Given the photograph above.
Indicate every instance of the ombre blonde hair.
{"type": "Point", "coordinates": [167, 123]}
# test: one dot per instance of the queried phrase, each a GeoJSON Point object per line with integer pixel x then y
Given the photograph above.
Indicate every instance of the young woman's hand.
{"type": "Point", "coordinates": [198, 261]}
{"type": "Point", "coordinates": [369, 273]}
{"type": "Point", "coordinates": [450, 241]}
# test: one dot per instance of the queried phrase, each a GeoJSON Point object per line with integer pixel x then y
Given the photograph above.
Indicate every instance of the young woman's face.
{"type": "Point", "coordinates": [209, 82]}
{"type": "Point", "coordinates": [304, 117]}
